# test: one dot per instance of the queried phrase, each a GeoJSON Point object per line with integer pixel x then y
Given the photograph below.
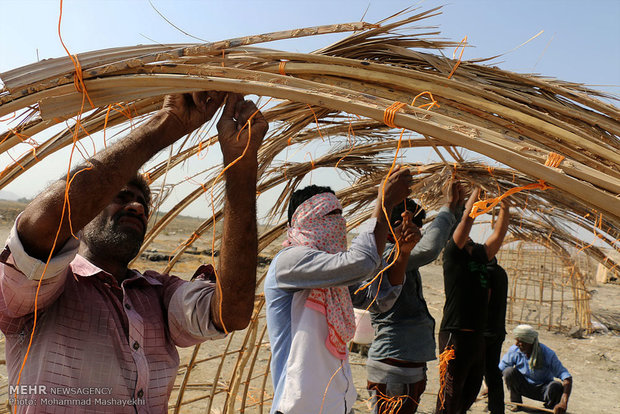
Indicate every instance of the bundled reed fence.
{"type": "Point", "coordinates": [546, 289]}
{"type": "Point", "coordinates": [353, 106]}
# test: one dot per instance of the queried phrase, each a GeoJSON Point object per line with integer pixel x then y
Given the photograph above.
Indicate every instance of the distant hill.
{"type": "Point", "coordinates": [8, 195]}
{"type": "Point", "coordinates": [9, 210]}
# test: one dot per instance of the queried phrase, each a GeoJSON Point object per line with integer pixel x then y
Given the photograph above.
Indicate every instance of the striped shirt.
{"type": "Point", "coordinates": [97, 346]}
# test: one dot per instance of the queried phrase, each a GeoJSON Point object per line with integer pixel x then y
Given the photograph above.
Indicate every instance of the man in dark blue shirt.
{"type": "Point", "coordinates": [530, 369]}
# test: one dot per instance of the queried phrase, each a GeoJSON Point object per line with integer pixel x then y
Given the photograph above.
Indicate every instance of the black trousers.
{"type": "Point", "coordinates": [465, 371]}
{"type": "Point", "coordinates": [492, 374]}
{"type": "Point", "coordinates": [518, 386]}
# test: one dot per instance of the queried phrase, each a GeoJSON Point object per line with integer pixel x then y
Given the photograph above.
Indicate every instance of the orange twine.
{"type": "Point", "coordinates": [462, 46]}
{"type": "Point", "coordinates": [390, 113]}
{"type": "Point", "coordinates": [327, 387]}
{"type": "Point", "coordinates": [391, 404]}
{"type": "Point", "coordinates": [430, 105]}
{"type": "Point", "coordinates": [553, 160]}
{"type": "Point", "coordinates": [350, 132]}
{"type": "Point", "coordinates": [281, 67]}
{"type": "Point", "coordinates": [388, 119]}
{"type": "Point", "coordinates": [311, 160]}
{"type": "Point", "coordinates": [484, 206]}
{"type": "Point", "coordinates": [147, 175]}
{"type": "Point", "coordinates": [444, 359]}
{"type": "Point", "coordinates": [9, 117]}
{"type": "Point", "coordinates": [316, 121]}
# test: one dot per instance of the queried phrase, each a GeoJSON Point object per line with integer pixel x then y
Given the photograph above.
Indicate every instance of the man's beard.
{"type": "Point", "coordinates": [106, 240]}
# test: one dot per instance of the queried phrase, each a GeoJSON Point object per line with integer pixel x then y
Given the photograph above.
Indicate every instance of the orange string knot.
{"type": "Point", "coordinates": [554, 160]}
{"type": "Point", "coordinates": [390, 113]}
{"type": "Point", "coordinates": [281, 67]}
{"type": "Point", "coordinates": [148, 178]}
{"type": "Point", "coordinates": [191, 239]}
{"type": "Point", "coordinates": [430, 104]}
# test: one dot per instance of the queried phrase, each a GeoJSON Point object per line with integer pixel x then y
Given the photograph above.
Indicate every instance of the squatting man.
{"type": "Point", "coordinates": [98, 323]}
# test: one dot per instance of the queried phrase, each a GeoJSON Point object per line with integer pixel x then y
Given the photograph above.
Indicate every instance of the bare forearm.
{"type": "Point", "coordinates": [495, 240]}
{"type": "Point", "coordinates": [461, 234]}
{"type": "Point", "coordinates": [233, 303]}
{"type": "Point", "coordinates": [397, 271]}
{"type": "Point", "coordinates": [568, 387]}
{"type": "Point", "coordinates": [92, 187]}
{"type": "Point", "coordinates": [381, 228]}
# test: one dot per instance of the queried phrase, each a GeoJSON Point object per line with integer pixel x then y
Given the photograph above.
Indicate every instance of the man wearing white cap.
{"type": "Point", "coordinates": [530, 368]}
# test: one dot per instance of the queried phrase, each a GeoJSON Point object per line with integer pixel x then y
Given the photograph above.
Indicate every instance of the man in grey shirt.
{"type": "Point", "coordinates": [404, 335]}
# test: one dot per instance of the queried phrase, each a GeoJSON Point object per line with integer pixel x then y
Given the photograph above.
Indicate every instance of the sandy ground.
{"type": "Point", "coordinates": [593, 360]}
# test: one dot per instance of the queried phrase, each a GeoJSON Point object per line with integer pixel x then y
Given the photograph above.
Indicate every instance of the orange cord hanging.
{"type": "Point", "coordinates": [388, 119]}
{"type": "Point", "coordinates": [248, 125]}
{"type": "Point", "coordinates": [484, 206]}
{"type": "Point", "coordinates": [445, 357]}
{"type": "Point", "coordinates": [316, 121]}
{"type": "Point", "coordinates": [462, 46]}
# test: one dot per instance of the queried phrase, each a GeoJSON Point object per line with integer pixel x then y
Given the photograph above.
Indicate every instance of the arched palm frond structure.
{"type": "Point", "coordinates": [337, 104]}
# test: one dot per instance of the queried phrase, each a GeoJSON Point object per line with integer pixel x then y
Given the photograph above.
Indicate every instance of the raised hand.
{"type": "Point", "coordinates": [454, 194]}
{"type": "Point", "coordinates": [241, 121]}
{"type": "Point", "coordinates": [475, 194]}
{"type": "Point", "coordinates": [409, 234]}
{"type": "Point", "coordinates": [397, 187]}
{"type": "Point", "coordinates": [189, 111]}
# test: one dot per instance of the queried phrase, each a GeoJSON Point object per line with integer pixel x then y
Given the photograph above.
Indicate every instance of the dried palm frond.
{"type": "Point", "coordinates": [327, 112]}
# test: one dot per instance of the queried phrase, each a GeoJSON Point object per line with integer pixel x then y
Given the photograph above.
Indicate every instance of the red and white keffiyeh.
{"type": "Point", "coordinates": [312, 226]}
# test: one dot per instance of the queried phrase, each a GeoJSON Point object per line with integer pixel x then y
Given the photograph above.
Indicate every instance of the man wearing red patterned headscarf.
{"type": "Point", "coordinates": [309, 311]}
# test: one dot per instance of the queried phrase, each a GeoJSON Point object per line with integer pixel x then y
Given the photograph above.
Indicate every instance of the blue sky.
{"type": "Point", "coordinates": [580, 42]}
{"type": "Point", "coordinates": [581, 39]}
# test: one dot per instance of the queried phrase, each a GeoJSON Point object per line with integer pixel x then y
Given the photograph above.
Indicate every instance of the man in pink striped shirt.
{"type": "Point", "coordinates": [105, 336]}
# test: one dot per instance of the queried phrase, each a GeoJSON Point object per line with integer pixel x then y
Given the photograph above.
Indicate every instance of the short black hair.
{"type": "Point", "coordinates": [299, 196]}
{"type": "Point", "coordinates": [408, 205]}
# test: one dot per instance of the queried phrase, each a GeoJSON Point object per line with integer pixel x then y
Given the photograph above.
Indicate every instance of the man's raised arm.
{"type": "Point", "coordinates": [397, 188]}
{"type": "Point", "coordinates": [495, 240]}
{"type": "Point", "coordinates": [233, 300]}
{"type": "Point", "coordinates": [461, 233]}
{"type": "Point", "coordinates": [96, 183]}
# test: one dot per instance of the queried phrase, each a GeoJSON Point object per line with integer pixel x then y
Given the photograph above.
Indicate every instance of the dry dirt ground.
{"type": "Point", "coordinates": [594, 361]}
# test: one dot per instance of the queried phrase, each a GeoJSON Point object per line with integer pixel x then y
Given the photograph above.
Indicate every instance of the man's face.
{"type": "Point", "coordinates": [524, 347]}
{"type": "Point", "coordinates": [118, 231]}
